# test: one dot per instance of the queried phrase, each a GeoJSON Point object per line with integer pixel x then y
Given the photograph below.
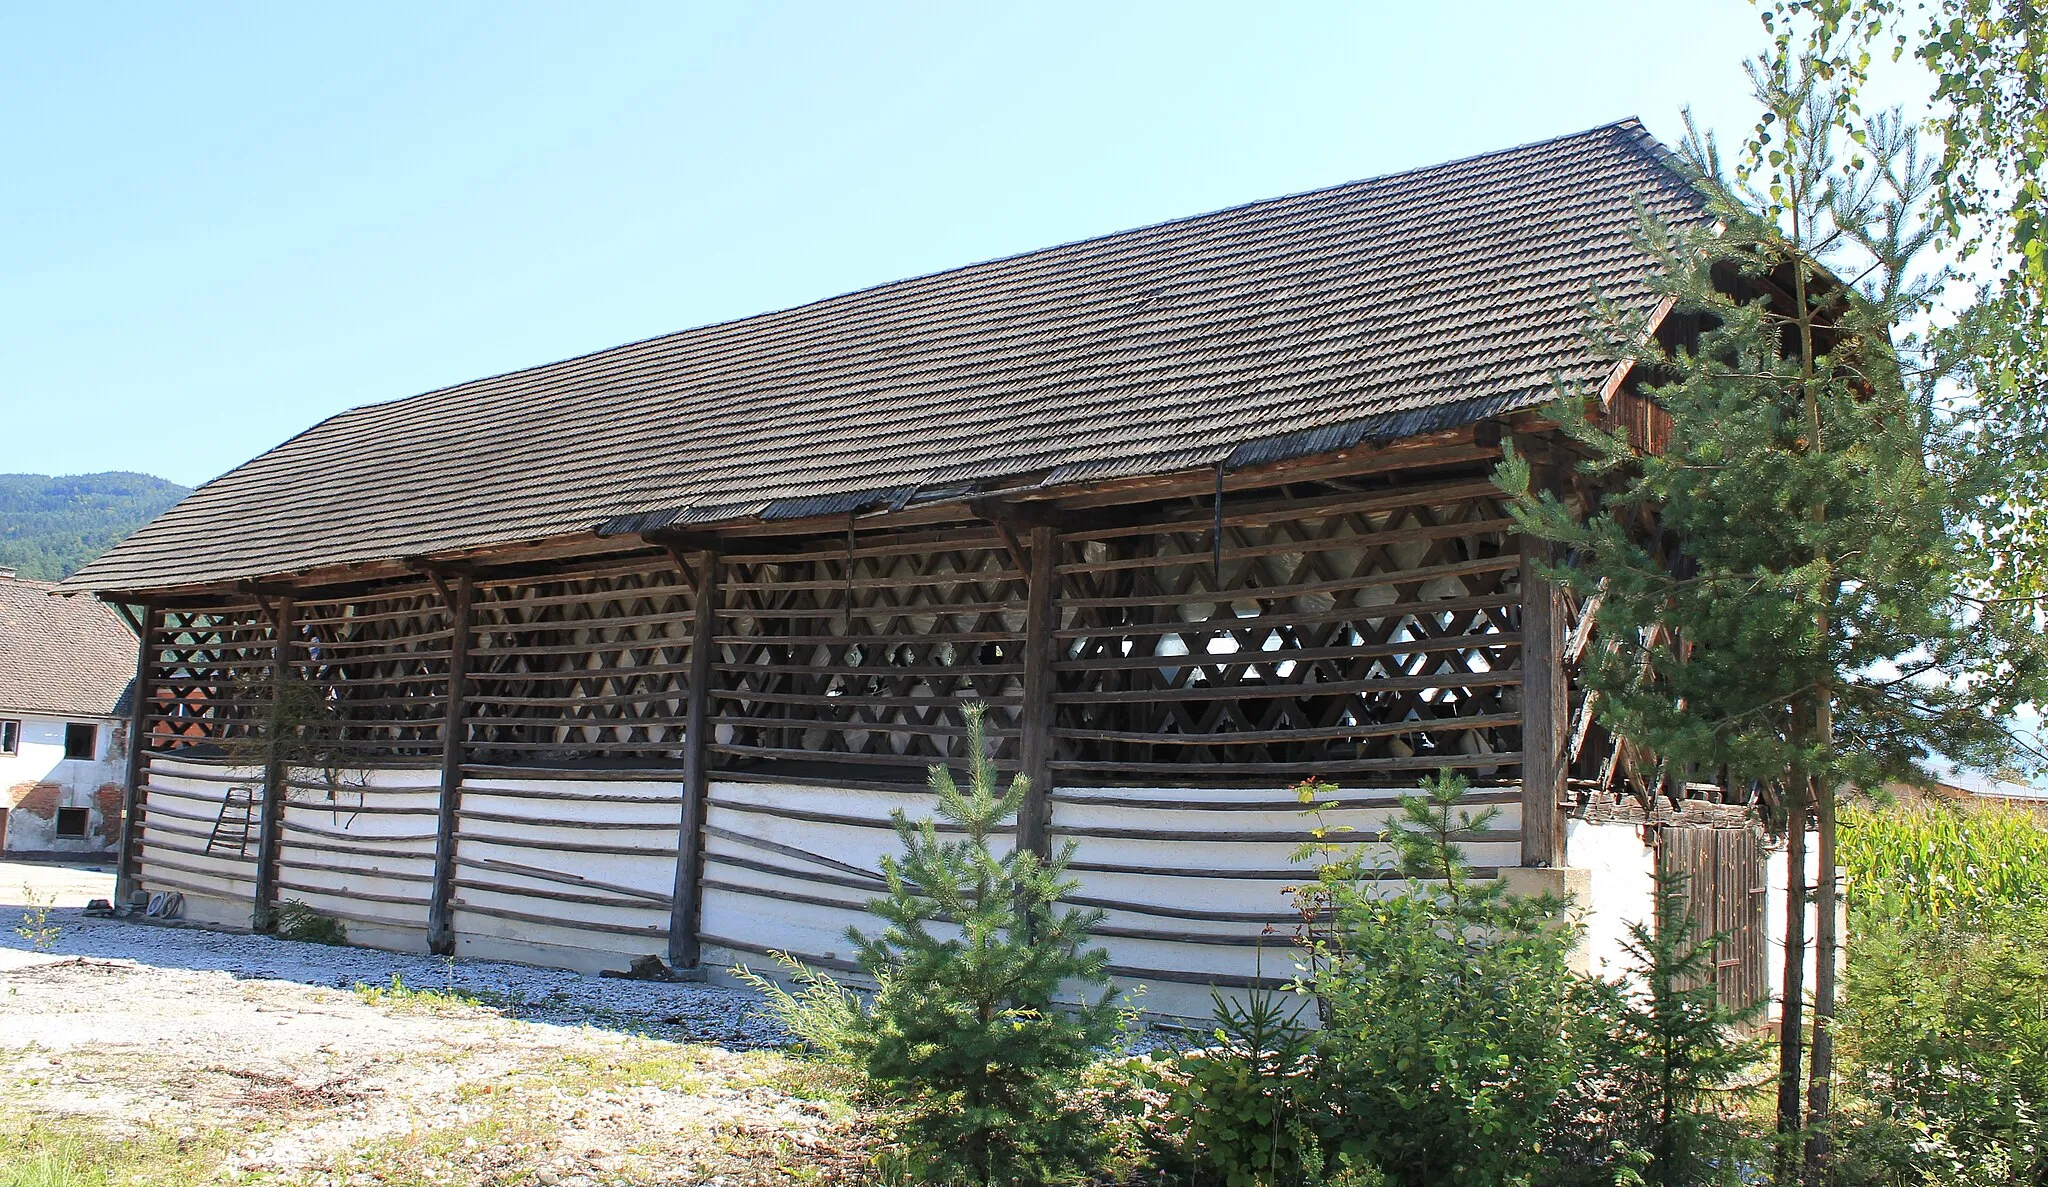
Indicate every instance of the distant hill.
{"type": "Point", "coordinates": [50, 527]}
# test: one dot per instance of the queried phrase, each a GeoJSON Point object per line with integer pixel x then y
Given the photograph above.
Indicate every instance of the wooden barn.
{"type": "Point", "coordinates": [636, 652]}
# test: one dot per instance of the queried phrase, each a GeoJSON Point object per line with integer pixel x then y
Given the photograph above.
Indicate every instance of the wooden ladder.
{"type": "Point", "coordinates": [231, 827]}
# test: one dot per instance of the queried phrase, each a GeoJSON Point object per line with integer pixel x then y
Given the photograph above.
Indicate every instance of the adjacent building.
{"type": "Point", "coordinates": [66, 665]}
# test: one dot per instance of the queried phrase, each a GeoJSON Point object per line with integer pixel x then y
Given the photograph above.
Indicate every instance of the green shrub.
{"type": "Point", "coordinates": [1241, 1110]}
{"type": "Point", "coordinates": [294, 920]}
{"type": "Point", "coordinates": [1944, 1034]}
{"type": "Point", "coordinates": [1444, 1043]}
{"type": "Point", "coordinates": [1661, 1061]}
{"type": "Point", "coordinates": [966, 1044]}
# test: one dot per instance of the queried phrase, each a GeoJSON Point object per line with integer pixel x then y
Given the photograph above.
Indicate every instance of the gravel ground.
{"type": "Point", "coordinates": [684, 1011]}
{"type": "Point", "coordinates": [200, 1056]}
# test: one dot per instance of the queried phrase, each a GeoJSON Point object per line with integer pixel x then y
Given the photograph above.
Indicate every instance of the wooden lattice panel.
{"type": "Point", "coordinates": [206, 668]}
{"type": "Point", "coordinates": [381, 664]}
{"type": "Point", "coordinates": [589, 664]}
{"type": "Point", "coordinates": [1371, 635]}
{"type": "Point", "coordinates": [862, 652]}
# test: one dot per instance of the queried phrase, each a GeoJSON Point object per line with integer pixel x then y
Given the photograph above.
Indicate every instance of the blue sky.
{"type": "Point", "coordinates": [222, 223]}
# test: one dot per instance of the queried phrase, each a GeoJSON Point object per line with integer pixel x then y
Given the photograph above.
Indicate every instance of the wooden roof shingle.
{"type": "Point", "coordinates": [1376, 309]}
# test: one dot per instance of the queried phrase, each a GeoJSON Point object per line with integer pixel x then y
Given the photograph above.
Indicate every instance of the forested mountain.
{"type": "Point", "coordinates": [49, 527]}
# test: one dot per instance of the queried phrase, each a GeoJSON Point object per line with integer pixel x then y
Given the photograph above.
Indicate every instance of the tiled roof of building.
{"type": "Point", "coordinates": [64, 656]}
{"type": "Point", "coordinates": [1373, 310]}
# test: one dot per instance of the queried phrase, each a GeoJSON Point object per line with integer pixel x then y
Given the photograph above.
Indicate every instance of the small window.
{"type": "Point", "coordinates": [71, 822]}
{"type": "Point", "coordinates": [81, 739]}
{"type": "Point", "coordinates": [10, 737]}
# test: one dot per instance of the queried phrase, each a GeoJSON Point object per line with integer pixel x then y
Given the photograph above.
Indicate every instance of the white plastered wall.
{"type": "Point", "coordinates": [37, 780]}
{"type": "Point", "coordinates": [1196, 882]}
{"type": "Point", "coordinates": [1622, 888]}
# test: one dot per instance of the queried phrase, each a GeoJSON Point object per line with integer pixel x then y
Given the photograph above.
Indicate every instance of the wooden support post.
{"type": "Point", "coordinates": [684, 951]}
{"type": "Point", "coordinates": [270, 832]}
{"type": "Point", "coordinates": [129, 868]}
{"type": "Point", "coordinates": [1041, 619]}
{"type": "Point", "coordinates": [1544, 709]}
{"type": "Point", "coordinates": [441, 908]}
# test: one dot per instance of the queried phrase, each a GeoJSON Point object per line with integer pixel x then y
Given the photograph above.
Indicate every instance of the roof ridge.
{"type": "Point", "coordinates": [1631, 123]}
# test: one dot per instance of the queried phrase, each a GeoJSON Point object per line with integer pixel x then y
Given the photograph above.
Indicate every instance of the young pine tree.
{"type": "Point", "coordinates": [968, 1036]}
{"type": "Point", "coordinates": [1444, 1043]}
{"type": "Point", "coordinates": [1813, 635]}
{"type": "Point", "coordinates": [1684, 1045]}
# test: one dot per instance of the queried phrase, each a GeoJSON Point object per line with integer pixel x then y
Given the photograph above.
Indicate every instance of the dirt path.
{"type": "Point", "coordinates": [188, 1056]}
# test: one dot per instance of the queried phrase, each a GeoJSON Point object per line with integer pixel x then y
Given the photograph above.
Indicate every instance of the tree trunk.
{"type": "Point", "coordinates": [1792, 1008]}
{"type": "Point", "coordinates": [1820, 1083]}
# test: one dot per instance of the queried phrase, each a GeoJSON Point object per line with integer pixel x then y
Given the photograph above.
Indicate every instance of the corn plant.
{"type": "Point", "coordinates": [1947, 865]}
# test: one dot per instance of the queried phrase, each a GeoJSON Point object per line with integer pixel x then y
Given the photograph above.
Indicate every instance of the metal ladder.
{"type": "Point", "coordinates": [231, 827]}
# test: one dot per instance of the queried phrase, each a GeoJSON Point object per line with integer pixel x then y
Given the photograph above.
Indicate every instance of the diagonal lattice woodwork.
{"type": "Point", "coordinates": [1372, 635]}
{"type": "Point", "coordinates": [380, 663]}
{"type": "Point", "coordinates": [589, 664]}
{"type": "Point", "coordinates": [862, 651]}
{"type": "Point", "coordinates": [205, 668]}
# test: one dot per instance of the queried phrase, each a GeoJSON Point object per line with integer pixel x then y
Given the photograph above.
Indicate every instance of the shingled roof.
{"type": "Point", "coordinates": [1373, 310]}
{"type": "Point", "coordinates": [66, 657]}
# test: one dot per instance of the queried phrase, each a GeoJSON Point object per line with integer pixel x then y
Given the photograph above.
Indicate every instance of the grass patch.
{"type": "Point", "coordinates": [499, 1149]}
{"type": "Point", "coordinates": [447, 1000]}
{"type": "Point", "coordinates": [641, 1065]}
{"type": "Point", "coordinates": [64, 1152]}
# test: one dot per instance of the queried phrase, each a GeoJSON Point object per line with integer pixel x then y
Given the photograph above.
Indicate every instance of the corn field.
{"type": "Point", "coordinates": [1944, 864]}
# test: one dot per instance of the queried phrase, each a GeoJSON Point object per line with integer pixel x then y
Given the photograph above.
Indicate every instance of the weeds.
{"type": "Point", "coordinates": [398, 995]}
{"type": "Point", "coordinates": [35, 925]}
{"type": "Point", "coordinates": [299, 921]}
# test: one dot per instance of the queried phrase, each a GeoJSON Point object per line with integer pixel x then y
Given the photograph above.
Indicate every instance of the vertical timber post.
{"type": "Point", "coordinates": [1544, 708]}
{"type": "Point", "coordinates": [684, 951]}
{"type": "Point", "coordinates": [128, 870]}
{"type": "Point", "coordinates": [454, 729]}
{"type": "Point", "coordinates": [1041, 620]}
{"type": "Point", "coordinates": [270, 832]}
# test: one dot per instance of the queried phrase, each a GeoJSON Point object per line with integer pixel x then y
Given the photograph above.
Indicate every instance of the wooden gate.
{"type": "Point", "coordinates": [1725, 894]}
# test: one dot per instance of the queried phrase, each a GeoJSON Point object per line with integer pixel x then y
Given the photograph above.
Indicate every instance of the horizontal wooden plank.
{"type": "Point", "coordinates": [293, 862]}
{"type": "Point", "coordinates": [1262, 513]}
{"type": "Point", "coordinates": [560, 895]}
{"type": "Point", "coordinates": [1263, 624]}
{"type": "Point", "coordinates": [594, 774]}
{"type": "Point", "coordinates": [1303, 734]}
{"type": "Point", "coordinates": [743, 668]}
{"type": "Point", "coordinates": [353, 850]}
{"type": "Point", "coordinates": [560, 822]}
{"type": "Point", "coordinates": [887, 760]}
{"type": "Point", "coordinates": [561, 877]}
{"type": "Point", "coordinates": [1388, 799]}
{"type": "Point", "coordinates": [551, 846]}
{"type": "Point", "coordinates": [787, 812]}
{"type": "Point", "coordinates": [1458, 762]}
{"type": "Point", "coordinates": [1377, 579]}
{"type": "Point", "coordinates": [352, 895]}
{"type": "Point", "coordinates": [617, 929]}
{"type": "Point", "coordinates": [1289, 690]}
{"type": "Point", "coordinates": [1477, 641]}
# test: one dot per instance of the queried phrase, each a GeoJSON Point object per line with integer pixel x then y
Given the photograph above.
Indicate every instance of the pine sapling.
{"type": "Point", "coordinates": [971, 1038]}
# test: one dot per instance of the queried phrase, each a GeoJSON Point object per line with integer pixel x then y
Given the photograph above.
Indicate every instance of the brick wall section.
{"type": "Point", "coordinates": [108, 801]}
{"type": "Point", "coordinates": [37, 799]}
